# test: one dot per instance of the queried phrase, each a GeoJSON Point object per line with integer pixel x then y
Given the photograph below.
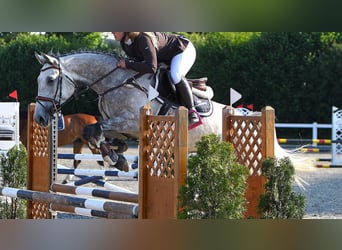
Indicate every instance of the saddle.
{"type": "Point", "coordinates": [202, 93]}
{"type": "Point", "coordinates": [199, 83]}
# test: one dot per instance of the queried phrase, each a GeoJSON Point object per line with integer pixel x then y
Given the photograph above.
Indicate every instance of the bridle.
{"type": "Point", "coordinates": [56, 100]}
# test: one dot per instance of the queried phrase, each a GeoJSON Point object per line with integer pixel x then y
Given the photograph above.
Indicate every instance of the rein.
{"type": "Point", "coordinates": [132, 81]}
{"type": "Point", "coordinates": [76, 94]}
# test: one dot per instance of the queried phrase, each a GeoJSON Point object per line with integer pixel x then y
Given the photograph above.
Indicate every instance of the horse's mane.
{"type": "Point", "coordinates": [75, 52]}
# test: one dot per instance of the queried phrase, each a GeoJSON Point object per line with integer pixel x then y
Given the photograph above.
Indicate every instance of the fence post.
{"type": "Point", "coordinates": [252, 137]}
{"type": "Point", "coordinates": [181, 152]}
{"type": "Point", "coordinates": [143, 158]}
{"type": "Point", "coordinates": [162, 163]}
{"type": "Point", "coordinates": [268, 131]}
{"type": "Point", "coordinates": [39, 171]}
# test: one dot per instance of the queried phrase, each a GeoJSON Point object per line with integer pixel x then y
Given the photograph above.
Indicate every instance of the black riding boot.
{"type": "Point", "coordinates": [183, 91]}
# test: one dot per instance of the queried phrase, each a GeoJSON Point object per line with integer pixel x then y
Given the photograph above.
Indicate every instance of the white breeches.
{"type": "Point", "coordinates": [182, 63]}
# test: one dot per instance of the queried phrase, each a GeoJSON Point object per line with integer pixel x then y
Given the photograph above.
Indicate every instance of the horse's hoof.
{"type": "Point", "coordinates": [108, 155]}
{"type": "Point", "coordinates": [122, 164]}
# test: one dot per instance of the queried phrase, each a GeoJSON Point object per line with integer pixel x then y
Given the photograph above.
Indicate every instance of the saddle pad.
{"type": "Point", "coordinates": [203, 106]}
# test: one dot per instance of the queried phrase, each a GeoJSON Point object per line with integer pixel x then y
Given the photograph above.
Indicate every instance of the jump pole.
{"type": "Point", "coordinates": [97, 172]}
{"type": "Point", "coordinates": [316, 141]}
{"type": "Point", "coordinates": [97, 157]}
{"type": "Point", "coordinates": [98, 180]}
{"type": "Point", "coordinates": [89, 212]}
{"type": "Point", "coordinates": [118, 196]}
{"type": "Point", "coordinates": [79, 211]}
{"type": "Point", "coordinates": [100, 205]}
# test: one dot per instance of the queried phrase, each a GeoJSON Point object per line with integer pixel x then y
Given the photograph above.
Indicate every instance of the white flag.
{"type": "Point", "coordinates": [234, 96]}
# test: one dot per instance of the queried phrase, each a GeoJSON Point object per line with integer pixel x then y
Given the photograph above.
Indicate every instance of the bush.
{"type": "Point", "coordinates": [215, 184]}
{"type": "Point", "coordinates": [279, 200]}
{"type": "Point", "coordinates": [14, 174]}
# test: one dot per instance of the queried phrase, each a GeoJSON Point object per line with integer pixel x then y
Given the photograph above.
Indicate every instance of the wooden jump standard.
{"type": "Point", "coordinates": [153, 179]}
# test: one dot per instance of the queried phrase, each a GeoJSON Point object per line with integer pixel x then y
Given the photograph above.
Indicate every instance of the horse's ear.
{"type": "Point", "coordinates": [41, 59]}
{"type": "Point", "coordinates": [52, 60]}
{"type": "Point", "coordinates": [44, 58]}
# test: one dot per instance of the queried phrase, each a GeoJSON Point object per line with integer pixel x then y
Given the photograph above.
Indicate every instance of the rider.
{"type": "Point", "coordinates": [146, 49]}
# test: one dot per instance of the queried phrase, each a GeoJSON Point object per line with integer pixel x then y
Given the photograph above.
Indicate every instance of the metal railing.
{"type": "Point", "coordinates": [314, 126]}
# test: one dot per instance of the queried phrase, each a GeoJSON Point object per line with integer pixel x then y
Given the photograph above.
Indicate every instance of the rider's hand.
{"type": "Point", "coordinates": [121, 64]}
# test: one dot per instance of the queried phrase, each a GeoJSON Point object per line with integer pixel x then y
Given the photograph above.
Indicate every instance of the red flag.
{"type": "Point", "coordinates": [250, 107]}
{"type": "Point", "coordinates": [14, 94]}
{"type": "Point", "coordinates": [240, 106]}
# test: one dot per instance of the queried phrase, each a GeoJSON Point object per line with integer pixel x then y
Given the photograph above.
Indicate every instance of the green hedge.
{"type": "Point", "coordinates": [19, 68]}
{"type": "Point", "coordinates": [297, 73]}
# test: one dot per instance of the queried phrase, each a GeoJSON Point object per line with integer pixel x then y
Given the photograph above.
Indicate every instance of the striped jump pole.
{"type": "Point", "coordinates": [93, 204]}
{"type": "Point", "coordinates": [97, 157]}
{"type": "Point", "coordinates": [328, 166]}
{"type": "Point", "coordinates": [86, 179]}
{"type": "Point", "coordinates": [97, 172]}
{"type": "Point", "coordinates": [98, 180]}
{"type": "Point", "coordinates": [94, 179]}
{"type": "Point", "coordinates": [80, 211]}
{"type": "Point", "coordinates": [316, 141]}
{"type": "Point", "coordinates": [118, 196]}
{"type": "Point", "coordinates": [323, 159]}
{"type": "Point", "coordinates": [91, 213]}
{"type": "Point", "coordinates": [310, 150]}
{"type": "Point", "coordinates": [110, 186]}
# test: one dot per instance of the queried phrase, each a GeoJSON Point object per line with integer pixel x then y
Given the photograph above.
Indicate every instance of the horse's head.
{"type": "Point", "coordinates": [54, 88]}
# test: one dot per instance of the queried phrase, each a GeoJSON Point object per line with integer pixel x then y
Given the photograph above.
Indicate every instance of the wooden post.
{"type": "Point", "coordinates": [226, 111]}
{"type": "Point", "coordinates": [39, 171]}
{"type": "Point", "coordinates": [181, 153]}
{"type": "Point", "coordinates": [268, 118]}
{"type": "Point", "coordinates": [251, 148]}
{"type": "Point", "coordinates": [142, 161]}
{"type": "Point", "coordinates": [162, 163]}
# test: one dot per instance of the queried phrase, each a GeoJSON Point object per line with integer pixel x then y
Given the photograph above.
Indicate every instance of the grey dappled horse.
{"type": "Point", "coordinates": [120, 98]}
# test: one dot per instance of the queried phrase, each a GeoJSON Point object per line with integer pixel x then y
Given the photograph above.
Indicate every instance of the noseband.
{"type": "Point", "coordinates": [55, 103]}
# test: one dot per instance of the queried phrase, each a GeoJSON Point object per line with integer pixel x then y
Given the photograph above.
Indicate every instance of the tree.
{"type": "Point", "coordinates": [14, 174]}
{"type": "Point", "coordinates": [279, 200]}
{"type": "Point", "coordinates": [215, 183]}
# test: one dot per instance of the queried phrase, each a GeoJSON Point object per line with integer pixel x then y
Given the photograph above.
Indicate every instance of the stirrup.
{"type": "Point", "coordinates": [195, 124]}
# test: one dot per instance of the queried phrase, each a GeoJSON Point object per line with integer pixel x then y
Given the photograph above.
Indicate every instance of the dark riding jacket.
{"type": "Point", "coordinates": [144, 57]}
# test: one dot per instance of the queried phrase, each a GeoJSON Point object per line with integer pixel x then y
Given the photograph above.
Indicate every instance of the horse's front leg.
{"type": "Point", "coordinates": [109, 149]}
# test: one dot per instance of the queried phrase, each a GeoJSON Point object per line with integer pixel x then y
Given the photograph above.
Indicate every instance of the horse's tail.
{"type": "Point", "coordinates": [300, 162]}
